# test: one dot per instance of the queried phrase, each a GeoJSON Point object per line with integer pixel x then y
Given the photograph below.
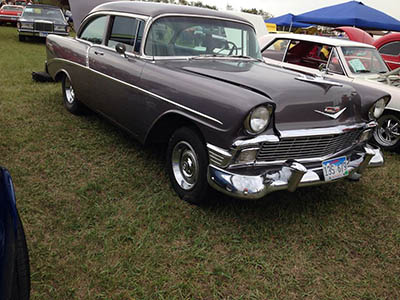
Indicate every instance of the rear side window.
{"type": "Point", "coordinates": [123, 31]}
{"type": "Point", "coordinates": [391, 49]}
{"type": "Point", "coordinates": [94, 30]}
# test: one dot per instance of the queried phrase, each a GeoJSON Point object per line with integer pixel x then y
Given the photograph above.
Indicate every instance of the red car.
{"type": "Point", "coordinates": [389, 48]}
{"type": "Point", "coordinates": [10, 13]}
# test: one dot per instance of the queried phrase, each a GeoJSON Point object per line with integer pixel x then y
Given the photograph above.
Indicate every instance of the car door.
{"type": "Point", "coordinates": [118, 74]}
{"type": "Point", "coordinates": [390, 52]}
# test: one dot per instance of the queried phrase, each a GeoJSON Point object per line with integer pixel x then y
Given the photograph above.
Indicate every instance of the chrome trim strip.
{"type": "Point", "coordinates": [144, 91]}
{"type": "Point", "coordinates": [392, 62]}
{"type": "Point", "coordinates": [218, 156]}
{"type": "Point", "coordinates": [317, 79]}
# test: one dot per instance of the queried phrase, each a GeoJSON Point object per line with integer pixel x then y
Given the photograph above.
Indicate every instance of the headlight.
{"type": "Point", "coordinates": [258, 119]}
{"type": "Point", "coordinates": [378, 108]}
{"type": "Point", "coordinates": [60, 28]}
{"type": "Point", "coordinates": [26, 26]}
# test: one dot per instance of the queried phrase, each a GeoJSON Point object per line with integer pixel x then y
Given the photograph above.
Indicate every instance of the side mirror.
{"type": "Point", "coordinates": [121, 49]}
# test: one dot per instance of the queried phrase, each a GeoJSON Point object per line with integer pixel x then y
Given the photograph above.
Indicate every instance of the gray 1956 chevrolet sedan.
{"type": "Point", "coordinates": [194, 79]}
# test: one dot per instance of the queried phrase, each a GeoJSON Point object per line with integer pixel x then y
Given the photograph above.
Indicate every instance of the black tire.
{"type": "Point", "coordinates": [71, 103]}
{"type": "Point", "coordinates": [187, 163]}
{"type": "Point", "coordinates": [21, 38]}
{"type": "Point", "coordinates": [21, 285]}
{"type": "Point", "coordinates": [387, 134]}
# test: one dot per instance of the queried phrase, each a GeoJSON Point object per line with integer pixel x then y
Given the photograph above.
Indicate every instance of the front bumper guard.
{"type": "Point", "coordinates": [289, 177]}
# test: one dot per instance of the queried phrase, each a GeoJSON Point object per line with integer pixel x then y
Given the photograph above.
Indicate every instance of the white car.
{"type": "Point", "coordinates": [341, 60]}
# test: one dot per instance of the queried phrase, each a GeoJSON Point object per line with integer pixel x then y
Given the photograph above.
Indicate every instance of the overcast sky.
{"type": "Point", "coordinates": [280, 7]}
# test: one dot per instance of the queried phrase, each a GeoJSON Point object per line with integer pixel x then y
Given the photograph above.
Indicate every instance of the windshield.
{"type": "Point", "coordinates": [46, 13]}
{"type": "Point", "coordinates": [191, 36]}
{"type": "Point", "coordinates": [12, 8]}
{"type": "Point", "coordinates": [364, 60]}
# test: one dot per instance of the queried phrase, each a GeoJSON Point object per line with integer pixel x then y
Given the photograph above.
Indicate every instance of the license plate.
{"type": "Point", "coordinates": [335, 168]}
{"type": "Point", "coordinates": [43, 34]}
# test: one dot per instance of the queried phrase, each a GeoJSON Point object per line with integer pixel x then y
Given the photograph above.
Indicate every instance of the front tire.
{"type": "Point", "coordinates": [187, 163]}
{"type": "Point", "coordinates": [387, 133]}
{"type": "Point", "coordinates": [21, 38]}
{"type": "Point", "coordinates": [71, 103]}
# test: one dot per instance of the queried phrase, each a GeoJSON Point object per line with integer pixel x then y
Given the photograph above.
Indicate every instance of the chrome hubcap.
{"type": "Point", "coordinates": [69, 92]}
{"type": "Point", "coordinates": [185, 165]}
{"type": "Point", "coordinates": [388, 131]}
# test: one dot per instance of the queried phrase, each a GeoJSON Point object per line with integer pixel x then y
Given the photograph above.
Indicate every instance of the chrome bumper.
{"type": "Point", "coordinates": [289, 177]}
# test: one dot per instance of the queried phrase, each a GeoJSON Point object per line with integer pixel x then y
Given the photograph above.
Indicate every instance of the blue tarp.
{"type": "Point", "coordinates": [286, 20]}
{"type": "Point", "coordinates": [351, 13]}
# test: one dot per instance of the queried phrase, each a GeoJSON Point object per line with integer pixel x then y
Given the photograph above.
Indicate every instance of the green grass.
{"type": "Point", "coordinates": [103, 223]}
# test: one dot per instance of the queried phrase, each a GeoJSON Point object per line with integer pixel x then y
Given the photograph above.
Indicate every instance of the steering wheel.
{"type": "Point", "coordinates": [226, 47]}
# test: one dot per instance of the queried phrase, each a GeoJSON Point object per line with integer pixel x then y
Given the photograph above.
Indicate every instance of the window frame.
{"type": "Point", "coordinates": [90, 21]}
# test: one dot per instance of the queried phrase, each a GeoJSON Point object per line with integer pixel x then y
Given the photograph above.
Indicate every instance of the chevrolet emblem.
{"type": "Point", "coordinates": [332, 111]}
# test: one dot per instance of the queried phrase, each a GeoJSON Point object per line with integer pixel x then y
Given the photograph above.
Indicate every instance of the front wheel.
{"type": "Point", "coordinates": [387, 134]}
{"type": "Point", "coordinates": [187, 163]}
{"type": "Point", "coordinates": [21, 38]}
{"type": "Point", "coordinates": [71, 103]}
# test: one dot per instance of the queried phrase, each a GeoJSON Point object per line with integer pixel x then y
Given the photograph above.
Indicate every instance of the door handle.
{"type": "Point", "coordinates": [98, 52]}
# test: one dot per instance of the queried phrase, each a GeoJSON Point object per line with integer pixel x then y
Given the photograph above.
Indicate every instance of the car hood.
{"type": "Point", "coordinates": [297, 97]}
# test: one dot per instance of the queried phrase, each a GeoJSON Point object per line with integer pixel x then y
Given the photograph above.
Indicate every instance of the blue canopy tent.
{"type": "Point", "coordinates": [287, 20]}
{"type": "Point", "coordinates": [351, 13]}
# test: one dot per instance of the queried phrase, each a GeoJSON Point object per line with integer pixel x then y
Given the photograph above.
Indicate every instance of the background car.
{"type": "Point", "coordinates": [339, 59]}
{"type": "Point", "coordinates": [10, 13]}
{"type": "Point", "coordinates": [14, 258]}
{"type": "Point", "coordinates": [40, 21]}
{"type": "Point", "coordinates": [389, 48]}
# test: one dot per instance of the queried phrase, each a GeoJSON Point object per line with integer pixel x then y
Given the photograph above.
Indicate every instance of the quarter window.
{"type": "Point", "coordinates": [276, 51]}
{"type": "Point", "coordinates": [94, 31]}
{"type": "Point", "coordinates": [391, 49]}
{"type": "Point", "coordinates": [123, 31]}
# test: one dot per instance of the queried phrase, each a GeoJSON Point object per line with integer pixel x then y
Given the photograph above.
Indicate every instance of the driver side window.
{"type": "Point", "coordinates": [94, 30]}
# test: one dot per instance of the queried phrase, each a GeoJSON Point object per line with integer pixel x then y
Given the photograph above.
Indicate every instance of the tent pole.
{"type": "Point", "coordinates": [290, 28]}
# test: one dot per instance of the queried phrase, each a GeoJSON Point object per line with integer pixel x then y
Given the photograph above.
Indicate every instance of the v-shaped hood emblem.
{"type": "Point", "coordinates": [329, 113]}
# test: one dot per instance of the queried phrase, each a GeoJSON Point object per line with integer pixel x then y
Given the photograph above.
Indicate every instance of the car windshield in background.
{"type": "Point", "coordinates": [12, 8]}
{"type": "Point", "coordinates": [364, 60]}
{"type": "Point", "coordinates": [46, 13]}
{"type": "Point", "coordinates": [191, 36]}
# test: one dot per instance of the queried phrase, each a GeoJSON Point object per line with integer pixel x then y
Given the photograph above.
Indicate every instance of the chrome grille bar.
{"type": "Point", "coordinates": [307, 147]}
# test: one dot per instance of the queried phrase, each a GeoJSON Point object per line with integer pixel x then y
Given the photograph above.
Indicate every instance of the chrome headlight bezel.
{"type": "Point", "coordinates": [258, 119]}
{"type": "Point", "coordinates": [377, 109]}
{"type": "Point", "coordinates": [26, 25]}
{"type": "Point", "coordinates": [62, 28]}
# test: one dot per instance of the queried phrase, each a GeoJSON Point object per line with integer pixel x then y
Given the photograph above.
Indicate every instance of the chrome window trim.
{"type": "Point", "coordinates": [392, 62]}
{"type": "Point", "coordinates": [340, 62]}
{"type": "Point", "coordinates": [144, 91]}
{"type": "Point", "coordinates": [90, 43]}
{"type": "Point", "coordinates": [150, 22]}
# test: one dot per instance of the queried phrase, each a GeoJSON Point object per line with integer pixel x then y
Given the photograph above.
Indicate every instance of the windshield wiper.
{"type": "Point", "coordinates": [246, 57]}
{"type": "Point", "coordinates": [207, 56]}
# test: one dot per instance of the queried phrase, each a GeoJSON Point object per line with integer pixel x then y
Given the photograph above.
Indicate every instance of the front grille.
{"type": "Point", "coordinates": [307, 147]}
{"type": "Point", "coordinates": [43, 27]}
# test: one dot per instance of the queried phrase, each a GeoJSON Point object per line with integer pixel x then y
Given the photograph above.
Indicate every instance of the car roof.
{"type": "Point", "coordinates": [335, 42]}
{"type": "Point", "coordinates": [152, 9]}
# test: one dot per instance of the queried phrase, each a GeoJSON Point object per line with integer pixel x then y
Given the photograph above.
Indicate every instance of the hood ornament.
{"type": "Point", "coordinates": [333, 112]}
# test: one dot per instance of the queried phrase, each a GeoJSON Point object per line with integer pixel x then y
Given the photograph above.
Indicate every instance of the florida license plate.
{"type": "Point", "coordinates": [43, 34]}
{"type": "Point", "coordinates": [335, 168]}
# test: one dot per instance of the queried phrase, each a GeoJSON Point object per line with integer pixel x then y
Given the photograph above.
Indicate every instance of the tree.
{"type": "Point", "coordinates": [255, 11]}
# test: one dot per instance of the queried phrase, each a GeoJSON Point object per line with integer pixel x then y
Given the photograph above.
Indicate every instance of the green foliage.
{"type": "Point", "coordinates": [103, 223]}
{"type": "Point", "coordinates": [255, 11]}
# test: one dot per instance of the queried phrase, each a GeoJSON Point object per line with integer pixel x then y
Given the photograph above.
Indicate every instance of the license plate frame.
{"type": "Point", "coordinates": [335, 168]}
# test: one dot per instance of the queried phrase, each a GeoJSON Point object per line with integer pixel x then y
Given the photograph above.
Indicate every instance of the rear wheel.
{"type": "Point", "coordinates": [71, 103]}
{"type": "Point", "coordinates": [187, 163]}
{"type": "Point", "coordinates": [387, 134]}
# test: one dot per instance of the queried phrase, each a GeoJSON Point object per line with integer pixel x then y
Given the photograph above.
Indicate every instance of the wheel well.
{"type": "Point", "coordinates": [166, 125]}
{"type": "Point", "coordinates": [392, 112]}
{"type": "Point", "coordinates": [60, 76]}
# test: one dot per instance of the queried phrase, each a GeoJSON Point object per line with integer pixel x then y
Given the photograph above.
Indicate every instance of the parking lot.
{"type": "Point", "coordinates": [102, 221]}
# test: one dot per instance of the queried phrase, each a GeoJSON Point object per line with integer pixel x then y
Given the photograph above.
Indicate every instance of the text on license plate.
{"type": "Point", "coordinates": [335, 168]}
{"type": "Point", "coordinates": [43, 34]}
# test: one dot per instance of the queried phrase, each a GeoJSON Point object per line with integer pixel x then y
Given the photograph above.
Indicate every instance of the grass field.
{"type": "Point", "coordinates": [102, 221]}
